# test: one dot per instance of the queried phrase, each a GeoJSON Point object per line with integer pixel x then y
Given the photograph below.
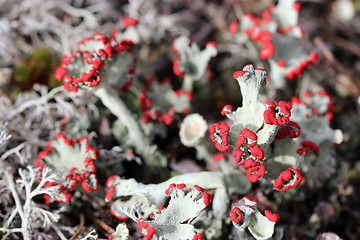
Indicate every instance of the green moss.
{"type": "Point", "coordinates": [41, 58]}
{"type": "Point", "coordinates": [22, 73]}
{"type": "Point", "coordinates": [357, 6]}
{"type": "Point", "coordinates": [53, 82]}
{"type": "Point", "coordinates": [38, 68]}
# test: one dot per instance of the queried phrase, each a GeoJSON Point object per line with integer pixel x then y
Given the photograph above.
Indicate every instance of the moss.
{"type": "Point", "coordinates": [38, 67]}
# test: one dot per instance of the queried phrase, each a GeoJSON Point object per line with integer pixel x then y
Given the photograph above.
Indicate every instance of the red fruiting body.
{"type": "Point", "coordinates": [219, 135]}
{"type": "Point", "coordinates": [271, 7]}
{"type": "Point", "coordinates": [208, 198]}
{"type": "Point", "coordinates": [292, 130]}
{"type": "Point", "coordinates": [110, 193]}
{"type": "Point", "coordinates": [256, 172]}
{"type": "Point", "coordinates": [257, 153]}
{"type": "Point", "coordinates": [310, 145]}
{"type": "Point", "coordinates": [75, 175]}
{"type": "Point", "coordinates": [233, 27]}
{"type": "Point", "coordinates": [306, 146]}
{"type": "Point", "coordinates": [281, 63]}
{"type": "Point", "coordinates": [296, 100]}
{"type": "Point", "coordinates": [165, 80]}
{"type": "Point", "coordinates": [247, 139]}
{"type": "Point", "coordinates": [226, 109]}
{"type": "Point", "coordinates": [285, 107]}
{"type": "Point", "coordinates": [302, 151]}
{"type": "Point", "coordinates": [277, 115]}
{"type": "Point", "coordinates": [330, 106]}
{"type": "Point", "coordinates": [288, 179]}
{"type": "Point", "coordinates": [313, 57]}
{"type": "Point", "coordinates": [87, 187]}
{"type": "Point", "coordinates": [297, 6]}
{"type": "Point", "coordinates": [249, 207]}
{"type": "Point", "coordinates": [267, 51]}
{"type": "Point", "coordinates": [237, 154]}
{"type": "Point", "coordinates": [177, 52]}
{"type": "Point", "coordinates": [129, 21]}
{"type": "Point", "coordinates": [298, 70]}
{"type": "Point", "coordinates": [238, 74]}
{"type": "Point", "coordinates": [189, 95]}
{"type": "Point", "coordinates": [211, 43]}
{"type": "Point", "coordinates": [266, 15]}
{"type": "Point", "coordinates": [248, 134]}
{"type": "Point", "coordinates": [198, 237]}
{"type": "Point", "coordinates": [165, 116]}
{"type": "Point", "coordinates": [180, 186]}
{"type": "Point", "coordinates": [96, 61]}
{"type": "Point", "coordinates": [257, 34]}
{"type": "Point", "coordinates": [113, 212]}
{"type": "Point", "coordinates": [249, 199]}
{"type": "Point", "coordinates": [273, 217]}
{"type": "Point", "coordinates": [241, 141]}
{"type": "Point", "coordinates": [167, 191]}
{"type": "Point", "coordinates": [200, 189]}
{"type": "Point", "coordinates": [176, 69]}
{"type": "Point", "coordinates": [236, 215]}
{"type": "Point", "coordinates": [219, 156]}
{"type": "Point", "coordinates": [146, 230]}
{"type": "Point", "coordinates": [249, 163]}
{"type": "Point", "coordinates": [250, 155]}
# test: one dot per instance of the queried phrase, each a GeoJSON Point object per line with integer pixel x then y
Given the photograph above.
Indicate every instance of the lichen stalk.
{"type": "Point", "coordinates": [117, 107]}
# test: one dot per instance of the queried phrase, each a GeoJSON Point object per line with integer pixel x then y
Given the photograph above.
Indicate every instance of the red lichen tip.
{"type": "Point", "coordinates": [277, 115]}
{"type": "Point", "coordinates": [281, 63]}
{"type": "Point", "coordinates": [250, 199]}
{"type": "Point", "coordinates": [256, 172]}
{"type": "Point", "coordinates": [238, 154]}
{"type": "Point", "coordinates": [236, 215]}
{"type": "Point", "coordinates": [226, 109]}
{"type": "Point", "coordinates": [180, 186]}
{"type": "Point", "coordinates": [311, 145]}
{"type": "Point", "coordinates": [271, 7]}
{"type": "Point", "coordinates": [219, 135]}
{"type": "Point", "coordinates": [86, 175]}
{"type": "Point", "coordinates": [233, 27]}
{"type": "Point", "coordinates": [177, 52]}
{"type": "Point", "coordinates": [110, 193]}
{"type": "Point", "coordinates": [198, 188]}
{"type": "Point", "coordinates": [197, 237]}
{"type": "Point", "coordinates": [246, 198]}
{"type": "Point", "coordinates": [129, 21]}
{"type": "Point", "coordinates": [146, 230]}
{"type": "Point", "coordinates": [267, 50]}
{"type": "Point", "coordinates": [211, 43]}
{"type": "Point", "coordinates": [249, 134]}
{"type": "Point", "coordinates": [288, 179]}
{"type": "Point", "coordinates": [266, 15]}
{"type": "Point", "coordinates": [273, 217]}
{"type": "Point", "coordinates": [208, 198]}
{"type": "Point", "coordinates": [238, 74]}
{"type": "Point", "coordinates": [219, 156]}
{"type": "Point", "coordinates": [292, 130]}
{"type": "Point", "coordinates": [167, 191]}
{"type": "Point", "coordinates": [314, 56]}
{"type": "Point", "coordinates": [297, 6]}
{"type": "Point", "coordinates": [176, 69]}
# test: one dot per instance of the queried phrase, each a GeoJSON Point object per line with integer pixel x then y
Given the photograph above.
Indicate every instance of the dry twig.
{"type": "Point", "coordinates": [346, 82]}
{"type": "Point", "coordinates": [81, 225]}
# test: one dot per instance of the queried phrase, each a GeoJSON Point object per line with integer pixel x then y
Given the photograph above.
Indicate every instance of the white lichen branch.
{"type": "Point", "coordinates": [23, 193]}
